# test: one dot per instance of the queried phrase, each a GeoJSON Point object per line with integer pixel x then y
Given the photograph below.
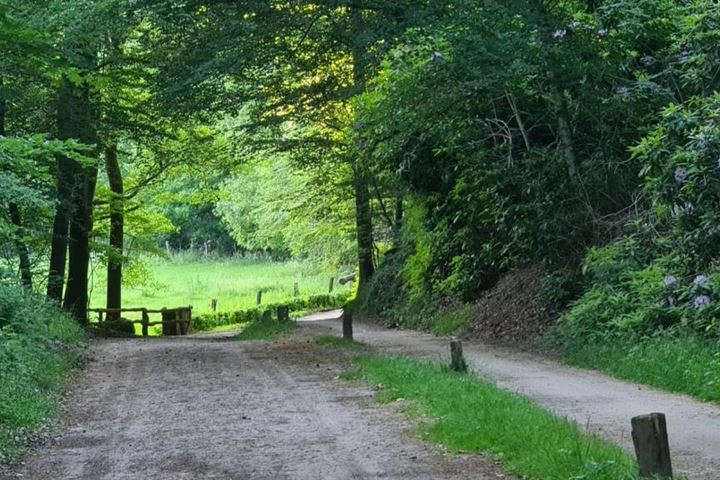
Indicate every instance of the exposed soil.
{"type": "Point", "coordinates": [598, 403]}
{"type": "Point", "coordinates": [512, 313]}
{"type": "Point", "coordinates": [209, 408]}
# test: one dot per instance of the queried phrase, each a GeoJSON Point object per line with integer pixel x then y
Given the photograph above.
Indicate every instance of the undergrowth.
{"type": "Point", "coordinates": [683, 364]}
{"type": "Point", "coordinates": [39, 347]}
{"type": "Point", "coordinates": [470, 415]}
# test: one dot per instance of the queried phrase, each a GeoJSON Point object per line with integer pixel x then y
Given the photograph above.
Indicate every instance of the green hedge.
{"type": "Point", "coordinates": [300, 304]}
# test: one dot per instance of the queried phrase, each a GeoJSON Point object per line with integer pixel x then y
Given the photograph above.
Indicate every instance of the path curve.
{"type": "Point", "coordinates": [595, 401]}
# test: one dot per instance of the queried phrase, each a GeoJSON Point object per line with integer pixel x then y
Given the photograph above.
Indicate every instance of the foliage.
{"type": "Point", "coordinates": [470, 415]}
{"type": "Point", "coordinates": [39, 347]}
{"type": "Point", "coordinates": [255, 314]}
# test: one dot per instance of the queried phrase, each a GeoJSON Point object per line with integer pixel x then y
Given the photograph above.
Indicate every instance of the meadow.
{"type": "Point", "coordinates": [233, 282]}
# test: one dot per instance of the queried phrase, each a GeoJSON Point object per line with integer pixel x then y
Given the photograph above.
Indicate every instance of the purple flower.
{"type": "Point", "coordinates": [602, 33]}
{"type": "Point", "coordinates": [671, 301]}
{"type": "Point", "coordinates": [681, 174]}
{"type": "Point", "coordinates": [648, 61]}
{"type": "Point", "coordinates": [701, 301]}
{"type": "Point", "coordinates": [700, 280]}
{"type": "Point", "coordinates": [670, 281]}
{"type": "Point", "coordinates": [436, 57]}
{"type": "Point", "coordinates": [559, 33]}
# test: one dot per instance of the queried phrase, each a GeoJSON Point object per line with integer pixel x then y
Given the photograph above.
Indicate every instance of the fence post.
{"type": "Point", "coordinates": [213, 305]}
{"type": "Point", "coordinates": [347, 326]}
{"type": "Point", "coordinates": [266, 316]}
{"type": "Point", "coordinates": [332, 284]}
{"type": "Point", "coordinates": [259, 297]}
{"type": "Point", "coordinates": [283, 313]}
{"type": "Point", "coordinates": [296, 289]}
{"type": "Point", "coordinates": [649, 434]}
{"type": "Point", "coordinates": [145, 321]}
{"type": "Point", "coordinates": [457, 360]}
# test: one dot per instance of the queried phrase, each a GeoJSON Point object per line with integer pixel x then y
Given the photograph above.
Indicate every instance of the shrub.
{"type": "Point", "coordinates": [39, 346]}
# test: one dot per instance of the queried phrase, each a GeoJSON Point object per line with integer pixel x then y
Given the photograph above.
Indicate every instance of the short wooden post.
{"type": "Point", "coordinates": [259, 297]}
{"type": "Point", "coordinates": [100, 316]}
{"type": "Point", "coordinates": [267, 316]}
{"type": "Point", "coordinates": [347, 326]}
{"type": "Point", "coordinates": [332, 284]}
{"type": "Point", "coordinates": [649, 434]}
{"type": "Point", "coordinates": [213, 305]}
{"type": "Point", "coordinates": [296, 290]}
{"type": "Point", "coordinates": [283, 313]}
{"type": "Point", "coordinates": [145, 321]}
{"type": "Point", "coordinates": [457, 360]}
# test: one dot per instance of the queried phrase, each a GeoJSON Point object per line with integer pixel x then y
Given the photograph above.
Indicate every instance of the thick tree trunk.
{"type": "Point", "coordinates": [117, 221]}
{"type": "Point", "coordinates": [72, 229]}
{"type": "Point", "coordinates": [81, 222]}
{"type": "Point", "coordinates": [363, 213]}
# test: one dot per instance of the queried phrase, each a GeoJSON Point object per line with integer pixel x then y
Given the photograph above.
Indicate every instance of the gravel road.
{"type": "Point", "coordinates": [599, 403]}
{"type": "Point", "coordinates": [208, 408]}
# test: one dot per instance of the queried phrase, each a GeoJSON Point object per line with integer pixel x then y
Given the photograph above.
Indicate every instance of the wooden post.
{"type": "Point", "coordinates": [457, 360]}
{"type": "Point", "coordinates": [347, 326]}
{"type": "Point", "coordinates": [259, 297]}
{"type": "Point", "coordinates": [213, 305]}
{"type": "Point", "coordinates": [649, 434]}
{"type": "Point", "coordinates": [283, 313]}
{"type": "Point", "coordinates": [100, 317]}
{"type": "Point", "coordinates": [145, 321]}
{"type": "Point", "coordinates": [267, 316]}
{"type": "Point", "coordinates": [332, 284]}
{"type": "Point", "coordinates": [296, 290]}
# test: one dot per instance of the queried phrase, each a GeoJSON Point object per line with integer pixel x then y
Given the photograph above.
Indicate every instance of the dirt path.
{"type": "Point", "coordinates": [600, 403]}
{"type": "Point", "coordinates": [207, 408]}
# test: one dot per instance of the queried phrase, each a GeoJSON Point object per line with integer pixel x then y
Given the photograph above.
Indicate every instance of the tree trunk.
{"type": "Point", "coordinates": [22, 250]}
{"type": "Point", "coordinates": [363, 222]}
{"type": "Point", "coordinates": [67, 173]}
{"type": "Point", "coordinates": [399, 213]}
{"type": "Point", "coordinates": [363, 213]}
{"type": "Point", "coordinates": [15, 217]}
{"type": "Point", "coordinates": [117, 221]}
{"type": "Point", "coordinates": [76, 190]}
{"type": "Point", "coordinates": [81, 222]}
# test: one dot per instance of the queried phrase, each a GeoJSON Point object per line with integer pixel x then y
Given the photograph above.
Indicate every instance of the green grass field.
{"type": "Point", "coordinates": [233, 282]}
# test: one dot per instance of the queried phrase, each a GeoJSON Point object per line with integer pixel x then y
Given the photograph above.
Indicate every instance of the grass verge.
{"type": "Point", "coordinates": [683, 364]}
{"type": "Point", "coordinates": [339, 343]}
{"type": "Point", "coordinates": [265, 330]}
{"type": "Point", "coordinates": [40, 346]}
{"type": "Point", "coordinates": [470, 415]}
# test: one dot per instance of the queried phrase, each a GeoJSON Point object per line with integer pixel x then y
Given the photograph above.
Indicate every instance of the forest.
{"type": "Point", "coordinates": [535, 172]}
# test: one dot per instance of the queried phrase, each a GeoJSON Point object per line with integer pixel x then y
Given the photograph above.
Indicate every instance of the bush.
{"type": "Point", "coordinates": [39, 346]}
{"type": "Point", "coordinates": [296, 305]}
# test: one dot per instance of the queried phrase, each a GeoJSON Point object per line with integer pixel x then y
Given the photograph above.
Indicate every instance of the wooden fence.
{"type": "Point", "coordinates": [174, 321]}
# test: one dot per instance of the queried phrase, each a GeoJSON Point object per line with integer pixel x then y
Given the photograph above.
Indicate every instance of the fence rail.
{"type": "Point", "coordinates": [175, 321]}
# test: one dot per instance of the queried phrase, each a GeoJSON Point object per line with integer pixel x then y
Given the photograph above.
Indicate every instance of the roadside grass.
{"type": "Point", "coordinates": [233, 282]}
{"type": "Point", "coordinates": [470, 415]}
{"type": "Point", "coordinates": [265, 330]}
{"type": "Point", "coordinates": [40, 346]}
{"type": "Point", "coordinates": [682, 364]}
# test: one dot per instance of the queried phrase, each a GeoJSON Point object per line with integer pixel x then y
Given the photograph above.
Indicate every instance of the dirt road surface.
{"type": "Point", "coordinates": [599, 403]}
{"type": "Point", "coordinates": [207, 408]}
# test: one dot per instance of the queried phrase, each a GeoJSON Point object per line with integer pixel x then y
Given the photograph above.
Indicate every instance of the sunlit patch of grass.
{"type": "Point", "coordinates": [266, 330]}
{"type": "Point", "coordinates": [470, 415]}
